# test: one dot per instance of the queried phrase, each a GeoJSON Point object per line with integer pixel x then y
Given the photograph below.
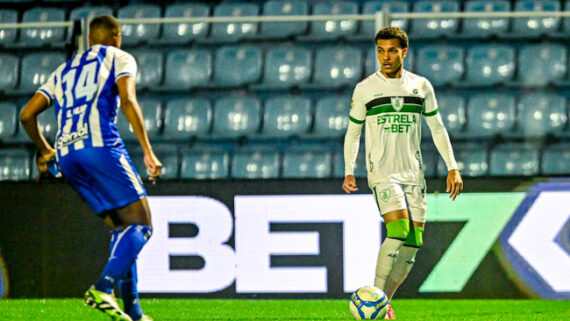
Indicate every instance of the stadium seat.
{"type": "Point", "coordinates": [140, 32]}
{"type": "Point", "coordinates": [359, 170]}
{"type": "Point", "coordinates": [430, 158]}
{"type": "Point", "coordinates": [490, 114]}
{"type": "Point", "coordinates": [8, 36]}
{"type": "Point", "coordinates": [15, 164]}
{"type": "Point", "coordinates": [187, 117]}
{"type": "Point", "coordinates": [152, 115]}
{"type": "Point", "coordinates": [48, 124]}
{"type": "Point", "coordinates": [541, 64]}
{"type": "Point", "coordinates": [236, 116]}
{"type": "Point", "coordinates": [534, 27]}
{"type": "Point", "coordinates": [441, 64]}
{"type": "Point", "coordinates": [204, 163]}
{"type": "Point", "coordinates": [472, 160]}
{"type": "Point", "coordinates": [42, 36]}
{"type": "Point", "coordinates": [287, 66]}
{"type": "Point", "coordinates": [540, 114]}
{"type": "Point", "coordinates": [485, 27]}
{"type": "Point", "coordinates": [337, 66]}
{"type": "Point", "coordinates": [286, 116]}
{"type": "Point", "coordinates": [307, 162]}
{"type": "Point", "coordinates": [433, 28]}
{"type": "Point", "coordinates": [168, 156]}
{"type": "Point", "coordinates": [556, 159]}
{"type": "Point", "coordinates": [88, 12]}
{"type": "Point", "coordinates": [490, 64]}
{"type": "Point", "coordinates": [514, 159]}
{"type": "Point", "coordinates": [372, 58]}
{"type": "Point", "coordinates": [234, 31]}
{"type": "Point", "coordinates": [452, 110]}
{"type": "Point", "coordinates": [237, 65]}
{"type": "Point", "coordinates": [187, 68]}
{"type": "Point", "coordinates": [284, 8]}
{"type": "Point", "coordinates": [368, 28]}
{"type": "Point", "coordinates": [331, 116]}
{"type": "Point", "coordinates": [150, 64]}
{"type": "Point", "coordinates": [8, 120]}
{"type": "Point", "coordinates": [255, 162]}
{"type": "Point", "coordinates": [9, 69]}
{"type": "Point", "coordinates": [36, 68]}
{"type": "Point", "coordinates": [566, 22]}
{"type": "Point", "coordinates": [185, 32]}
{"type": "Point", "coordinates": [332, 29]}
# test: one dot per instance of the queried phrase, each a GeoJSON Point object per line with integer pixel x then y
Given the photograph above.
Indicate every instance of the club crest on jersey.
{"type": "Point", "coordinates": [397, 103]}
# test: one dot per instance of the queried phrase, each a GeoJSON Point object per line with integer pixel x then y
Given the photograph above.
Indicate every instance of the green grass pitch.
{"type": "Point", "coordinates": [209, 309]}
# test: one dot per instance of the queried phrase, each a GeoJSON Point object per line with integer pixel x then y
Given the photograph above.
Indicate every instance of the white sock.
{"type": "Point", "coordinates": [401, 269]}
{"type": "Point", "coordinates": [386, 258]}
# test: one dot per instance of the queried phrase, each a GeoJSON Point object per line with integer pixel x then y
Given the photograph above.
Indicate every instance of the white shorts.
{"type": "Point", "coordinates": [392, 197]}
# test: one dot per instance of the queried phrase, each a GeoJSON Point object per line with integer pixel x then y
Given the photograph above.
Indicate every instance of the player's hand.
{"type": "Point", "coordinates": [153, 166]}
{"type": "Point", "coordinates": [349, 184]}
{"type": "Point", "coordinates": [42, 160]}
{"type": "Point", "coordinates": [454, 184]}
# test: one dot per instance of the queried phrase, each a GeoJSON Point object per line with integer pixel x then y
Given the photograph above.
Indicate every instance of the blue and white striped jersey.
{"type": "Point", "coordinates": [84, 93]}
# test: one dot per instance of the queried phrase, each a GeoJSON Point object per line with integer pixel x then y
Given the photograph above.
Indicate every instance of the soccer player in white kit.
{"type": "Point", "coordinates": [391, 102]}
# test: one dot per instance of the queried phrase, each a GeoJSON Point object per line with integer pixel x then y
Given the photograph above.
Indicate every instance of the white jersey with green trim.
{"type": "Point", "coordinates": [391, 109]}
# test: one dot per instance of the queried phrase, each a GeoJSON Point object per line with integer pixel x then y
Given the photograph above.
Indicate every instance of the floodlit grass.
{"type": "Point", "coordinates": [206, 309]}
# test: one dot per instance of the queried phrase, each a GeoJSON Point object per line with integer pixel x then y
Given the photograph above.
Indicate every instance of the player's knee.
{"type": "Point", "coordinates": [398, 229]}
{"type": "Point", "coordinates": [415, 237]}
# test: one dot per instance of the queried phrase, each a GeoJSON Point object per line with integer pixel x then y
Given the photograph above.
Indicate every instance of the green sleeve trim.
{"type": "Point", "coordinates": [433, 113]}
{"type": "Point", "coordinates": [356, 120]}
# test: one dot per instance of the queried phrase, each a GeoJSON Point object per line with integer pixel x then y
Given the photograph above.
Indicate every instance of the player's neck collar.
{"type": "Point", "coordinates": [392, 80]}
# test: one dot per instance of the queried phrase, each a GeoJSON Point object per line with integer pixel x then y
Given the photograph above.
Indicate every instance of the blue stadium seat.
{"type": "Point", "coordinates": [485, 27]}
{"type": "Point", "coordinates": [286, 116]}
{"type": "Point", "coordinates": [255, 162]}
{"type": "Point", "coordinates": [234, 31]}
{"type": "Point", "coordinates": [441, 64]}
{"type": "Point", "coordinates": [540, 114]}
{"type": "Point", "coordinates": [534, 27]}
{"type": "Point", "coordinates": [140, 32]}
{"type": "Point", "coordinates": [287, 66]}
{"type": "Point", "coordinates": [204, 163]}
{"type": "Point", "coordinates": [556, 159]}
{"type": "Point", "coordinates": [185, 32]}
{"type": "Point", "coordinates": [36, 68]}
{"type": "Point", "coordinates": [332, 29]}
{"type": "Point", "coordinates": [8, 120]}
{"type": "Point", "coordinates": [237, 65]}
{"type": "Point", "coordinates": [236, 117]}
{"type": "Point", "coordinates": [433, 28]}
{"type": "Point", "coordinates": [284, 8]}
{"type": "Point", "coordinates": [187, 117]}
{"type": "Point", "coordinates": [472, 160]}
{"type": "Point", "coordinates": [307, 162]}
{"type": "Point", "coordinates": [540, 64]}
{"type": "Point", "coordinates": [48, 124]}
{"type": "Point", "coordinates": [490, 64]}
{"type": "Point", "coordinates": [188, 68]}
{"type": "Point", "coordinates": [452, 110]}
{"type": "Point", "coordinates": [15, 164]}
{"type": "Point", "coordinates": [566, 22]}
{"type": "Point", "coordinates": [514, 159]}
{"type": "Point", "coordinates": [168, 156]}
{"type": "Point", "coordinates": [9, 69]}
{"type": "Point", "coordinates": [152, 114]}
{"type": "Point", "coordinates": [372, 58]}
{"type": "Point", "coordinates": [150, 65]}
{"type": "Point", "coordinates": [331, 116]}
{"type": "Point", "coordinates": [42, 36]}
{"type": "Point", "coordinates": [430, 158]}
{"type": "Point", "coordinates": [337, 66]}
{"type": "Point", "coordinates": [490, 114]}
{"type": "Point", "coordinates": [8, 36]}
{"type": "Point", "coordinates": [368, 28]}
{"type": "Point", "coordinates": [88, 12]}
{"type": "Point", "coordinates": [359, 170]}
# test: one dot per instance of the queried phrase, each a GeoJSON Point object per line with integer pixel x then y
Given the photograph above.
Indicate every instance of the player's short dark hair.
{"type": "Point", "coordinates": [393, 33]}
{"type": "Point", "coordinates": [106, 22]}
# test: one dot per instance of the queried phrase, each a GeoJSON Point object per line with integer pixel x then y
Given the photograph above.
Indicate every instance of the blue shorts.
{"type": "Point", "coordinates": [104, 177]}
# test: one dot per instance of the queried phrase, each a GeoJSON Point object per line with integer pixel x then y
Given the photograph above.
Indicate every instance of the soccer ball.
{"type": "Point", "coordinates": [368, 303]}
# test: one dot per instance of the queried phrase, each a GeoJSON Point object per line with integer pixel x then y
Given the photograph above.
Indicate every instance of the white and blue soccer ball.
{"type": "Point", "coordinates": [368, 303]}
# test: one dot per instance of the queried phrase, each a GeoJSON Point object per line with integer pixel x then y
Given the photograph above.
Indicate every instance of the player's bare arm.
{"type": "Point", "coordinates": [28, 117]}
{"type": "Point", "coordinates": [454, 184]}
{"type": "Point", "coordinates": [132, 110]}
{"type": "Point", "coordinates": [349, 184]}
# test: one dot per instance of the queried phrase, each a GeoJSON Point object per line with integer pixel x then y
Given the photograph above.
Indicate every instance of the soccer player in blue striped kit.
{"type": "Point", "coordinates": [86, 93]}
